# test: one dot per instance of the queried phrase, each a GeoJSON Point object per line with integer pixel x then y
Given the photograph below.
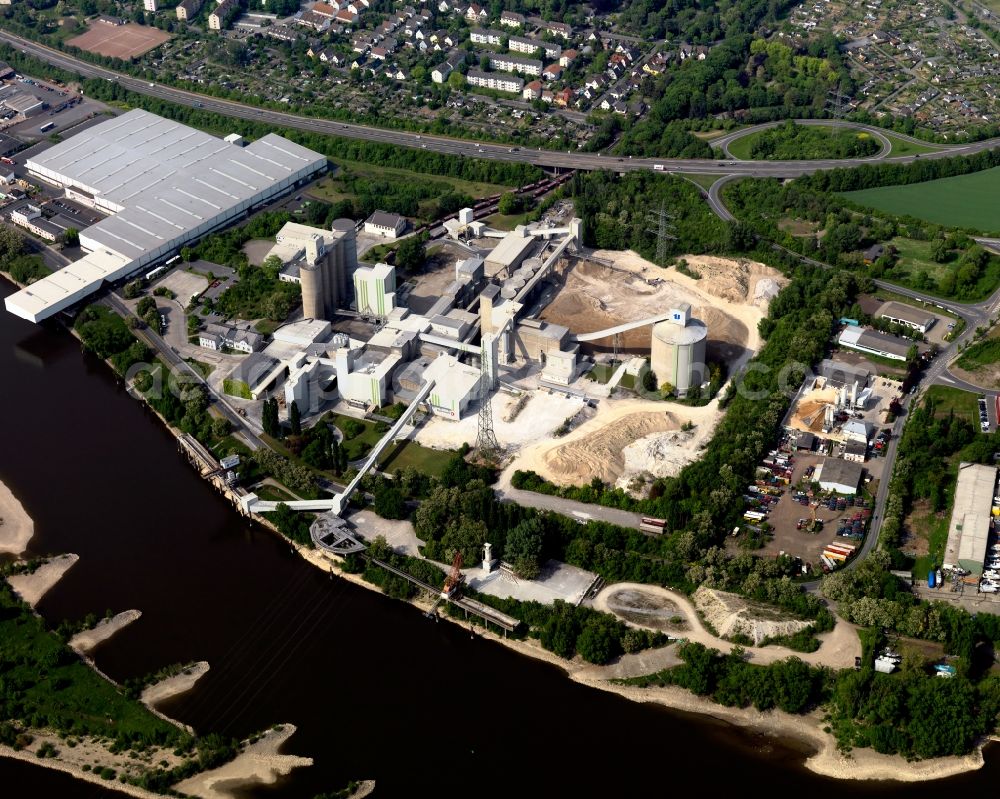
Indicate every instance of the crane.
{"type": "Point", "coordinates": [454, 579]}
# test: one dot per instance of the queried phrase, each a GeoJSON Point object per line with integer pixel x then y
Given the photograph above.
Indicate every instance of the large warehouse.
{"type": "Point", "coordinates": [165, 185]}
{"type": "Point", "coordinates": [969, 530]}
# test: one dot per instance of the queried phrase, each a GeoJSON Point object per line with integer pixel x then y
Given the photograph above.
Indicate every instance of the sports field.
{"type": "Point", "coordinates": [119, 41]}
{"type": "Point", "coordinates": [966, 201]}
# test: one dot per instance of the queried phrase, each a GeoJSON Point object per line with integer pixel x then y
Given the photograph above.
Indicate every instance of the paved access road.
{"type": "Point", "coordinates": [459, 147]}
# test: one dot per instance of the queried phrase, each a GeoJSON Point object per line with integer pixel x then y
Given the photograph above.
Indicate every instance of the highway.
{"type": "Point", "coordinates": [459, 147]}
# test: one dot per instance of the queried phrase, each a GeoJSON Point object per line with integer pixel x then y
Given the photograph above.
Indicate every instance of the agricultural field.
{"type": "Point", "coordinates": [965, 201]}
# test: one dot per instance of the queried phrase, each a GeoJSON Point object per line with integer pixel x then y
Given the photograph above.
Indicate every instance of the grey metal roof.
{"type": "Point", "coordinates": [164, 178]}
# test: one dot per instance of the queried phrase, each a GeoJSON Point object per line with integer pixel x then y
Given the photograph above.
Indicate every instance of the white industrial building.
{"type": "Point", "coordinates": [386, 225]}
{"type": "Point", "coordinates": [164, 184]}
{"type": "Point", "coordinates": [374, 289]}
{"type": "Point", "coordinates": [839, 476]}
{"type": "Point", "coordinates": [969, 530]}
{"type": "Point", "coordinates": [907, 315]}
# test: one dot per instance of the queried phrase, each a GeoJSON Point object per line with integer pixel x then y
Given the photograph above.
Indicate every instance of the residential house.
{"type": "Point", "coordinates": [188, 9]}
{"type": "Point", "coordinates": [552, 72]}
{"type": "Point", "coordinates": [347, 17]}
{"type": "Point", "coordinates": [311, 19]}
{"type": "Point", "coordinates": [476, 13]}
{"type": "Point", "coordinates": [558, 29]}
{"type": "Point", "coordinates": [223, 14]}
{"type": "Point", "coordinates": [481, 36]}
{"type": "Point", "coordinates": [386, 225]}
{"type": "Point", "coordinates": [567, 58]}
{"type": "Point", "coordinates": [215, 337]}
{"type": "Point", "coordinates": [328, 10]}
{"type": "Point", "coordinates": [510, 63]}
{"type": "Point", "coordinates": [444, 6]}
{"type": "Point", "coordinates": [532, 91]}
{"type": "Point", "coordinates": [562, 98]}
{"type": "Point", "coordinates": [441, 72]}
{"type": "Point", "coordinates": [495, 80]}
{"type": "Point", "coordinates": [511, 19]}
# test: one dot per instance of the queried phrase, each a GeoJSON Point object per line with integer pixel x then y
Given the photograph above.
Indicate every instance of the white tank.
{"type": "Point", "coordinates": [507, 291]}
{"type": "Point", "coordinates": [677, 354]}
{"type": "Point", "coordinates": [534, 264]}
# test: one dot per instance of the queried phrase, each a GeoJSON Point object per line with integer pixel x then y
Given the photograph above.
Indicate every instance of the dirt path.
{"type": "Point", "coordinates": [838, 648]}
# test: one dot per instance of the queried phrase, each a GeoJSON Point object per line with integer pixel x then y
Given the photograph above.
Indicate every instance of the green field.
{"type": "Point", "coordinates": [425, 460]}
{"type": "Point", "coordinates": [984, 352]}
{"type": "Point", "coordinates": [965, 201]}
{"type": "Point", "coordinates": [741, 148]}
{"type": "Point", "coordinates": [965, 404]}
{"type": "Point", "coordinates": [904, 147]}
{"type": "Point", "coordinates": [508, 221]}
{"type": "Point", "coordinates": [47, 685]}
{"type": "Point", "coordinates": [701, 179]}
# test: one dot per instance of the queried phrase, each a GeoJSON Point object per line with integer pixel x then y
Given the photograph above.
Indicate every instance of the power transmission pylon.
{"type": "Point", "coordinates": [486, 440]}
{"type": "Point", "coordinates": [838, 103]}
{"type": "Point", "coordinates": [664, 232]}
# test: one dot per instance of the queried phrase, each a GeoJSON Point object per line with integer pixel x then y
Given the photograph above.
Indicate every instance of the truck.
{"type": "Point", "coordinates": [885, 665]}
{"type": "Point", "coordinates": [659, 167]}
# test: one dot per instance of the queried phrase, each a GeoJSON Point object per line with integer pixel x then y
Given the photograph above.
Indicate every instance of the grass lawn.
{"type": "Point", "coordinates": [932, 527]}
{"type": "Point", "coordinates": [266, 326]}
{"type": "Point", "coordinates": [202, 368]}
{"type": "Point", "coordinates": [965, 404]}
{"type": "Point", "coordinates": [700, 179]}
{"type": "Point", "coordinates": [271, 493]}
{"type": "Point", "coordinates": [798, 227]}
{"type": "Point", "coordinates": [903, 147]}
{"type": "Point", "coordinates": [230, 445]}
{"type": "Point", "coordinates": [740, 148]}
{"type": "Point", "coordinates": [331, 188]}
{"type": "Point", "coordinates": [425, 460]}
{"type": "Point", "coordinates": [965, 201]}
{"type": "Point", "coordinates": [602, 372]}
{"type": "Point", "coordinates": [915, 257]}
{"type": "Point", "coordinates": [508, 221]}
{"type": "Point", "coordinates": [984, 352]}
{"type": "Point", "coordinates": [359, 446]}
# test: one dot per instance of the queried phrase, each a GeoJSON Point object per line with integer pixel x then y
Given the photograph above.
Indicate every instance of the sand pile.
{"type": "Point", "coordinates": [32, 587]}
{"type": "Point", "coordinates": [731, 614]}
{"type": "Point", "coordinates": [600, 454]}
{"type": "Point", "coordinates": [661, 454]}
{"type": "Point", "coordinates": [258, 764]}
{"type": "Point", "coordinates": [16, 527]}
{"type": "Point", "coordinates": [103, 630]}
{"type": "Point", "coordinates": [172, 686]}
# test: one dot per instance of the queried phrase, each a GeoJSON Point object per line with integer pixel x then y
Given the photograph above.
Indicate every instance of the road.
{"type": "Point", "coordinates": [178, 364]}
{"type": "Point", "coordinates": [459, 147]}
{"type": "Point", "coordinates": [723, 142]}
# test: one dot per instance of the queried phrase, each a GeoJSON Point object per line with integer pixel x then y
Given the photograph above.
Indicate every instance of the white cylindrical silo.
{"type": "Point", "coordinates": [677, 354]}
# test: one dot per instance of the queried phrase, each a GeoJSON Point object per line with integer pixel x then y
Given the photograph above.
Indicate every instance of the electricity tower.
{"type": "Point", "coordinates": [486, 440]}
{"type": "Point", "coordinates": [664, 231]}
{"type": "Point", "coordinates": [838, 103]}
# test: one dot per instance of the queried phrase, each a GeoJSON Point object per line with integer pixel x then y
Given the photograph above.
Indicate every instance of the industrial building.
{"type": "Point", "coordinates": [971, 517]}
{"type": "Point", "coordinates": [215, 337]}
{"type": "Point", "coordinates": [386, 225]}
{"type": "Point", "coordinates": [319, 260]}
{"type": "Point", "coordinates": [375, 290]}
{"type": "Point", "coordinates": [510, 252]}
{"type": "Point", "coordinates": [677, 350]}
{"type": "Point", "coordinates": [165, 185]}
{"type": "Point", "coordinates": [875, 343]}
{"type": "Point", "coordinates": [839, 476]}
{"type": "Point", "coordinates": [907, 315]}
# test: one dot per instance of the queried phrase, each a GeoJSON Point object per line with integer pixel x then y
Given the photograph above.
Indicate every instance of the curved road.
{"type": "Point", "coordinates": [458, 147]}
{"type": "Point", "coordinates": [723, 142]}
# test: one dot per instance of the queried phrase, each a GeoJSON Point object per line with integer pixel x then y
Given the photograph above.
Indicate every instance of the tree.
{"type": "Point", "coordinates": [411, 254]}
{"type": "Point", "coordinates": [510, 203]}
{"type": "Point", "coordinates": [389, 501]}
{"type": "Point", "coordinates": [600, 639]}
{"type": "Point", "coordinates": [295, 419]}
{"type": "Point", "coordinates": [71, 237]}
{"type": "Point", "coordinates": [523, 548]}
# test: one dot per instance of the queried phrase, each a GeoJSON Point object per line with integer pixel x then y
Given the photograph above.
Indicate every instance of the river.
{"type": "Point", "coordinates": [375, 689]}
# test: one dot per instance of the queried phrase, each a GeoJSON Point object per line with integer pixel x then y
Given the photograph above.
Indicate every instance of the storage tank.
{"type": "Point", "coordinates": [677, 350]}
{"type": "Point", "coordinates": [350, 251]}
{"type": "Point", "coordinates": [534, 264]}
{"type": "Point", "coordinates": [313, 290]}
{"type": "Point", "coordinates": [507, 291]}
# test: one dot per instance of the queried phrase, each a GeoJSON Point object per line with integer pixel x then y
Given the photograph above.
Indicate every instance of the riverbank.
{"type": "Point", "coordinates": [826, 760]}
{"type": "Point", "coordinates": [174, 686]}
{"type": "Point", "coordinates": [260, 763]}
{"type": "Point", "coordinates": [32, 587]}
{"type": "Point", "coordinates": [16, 526]}
{"type": "Point", "coordinates": [86, 640]}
